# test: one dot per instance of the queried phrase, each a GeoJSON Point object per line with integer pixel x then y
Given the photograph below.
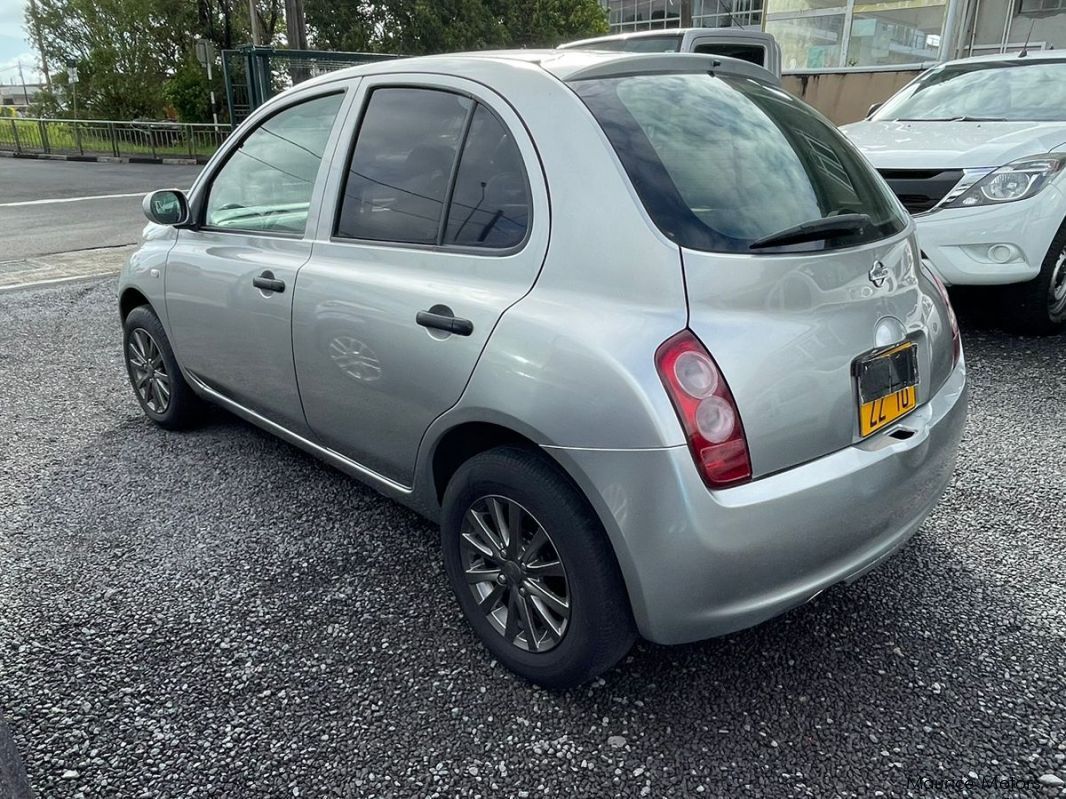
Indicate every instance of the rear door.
{"type": "Point", "coordinates": [438, 223]}
{"type": "Point", "coordinates": [722, 165]}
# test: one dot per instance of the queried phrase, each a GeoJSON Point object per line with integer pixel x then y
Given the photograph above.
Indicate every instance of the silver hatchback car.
{"type": "Point", "coordinates": [644, 333]}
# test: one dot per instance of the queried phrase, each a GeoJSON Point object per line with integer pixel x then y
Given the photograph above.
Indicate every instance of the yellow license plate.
{"type": "Point", "coordinates": [882, 411]}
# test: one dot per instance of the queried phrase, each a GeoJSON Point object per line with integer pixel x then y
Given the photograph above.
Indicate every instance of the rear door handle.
{"type": "Point", "coordinates": [445, 322]}
{"type": "Point", "coordinates": [267, 282]}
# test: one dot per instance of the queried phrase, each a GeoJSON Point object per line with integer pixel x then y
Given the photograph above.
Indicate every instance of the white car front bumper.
{"type": "Point", "coordinates": [956, 241]}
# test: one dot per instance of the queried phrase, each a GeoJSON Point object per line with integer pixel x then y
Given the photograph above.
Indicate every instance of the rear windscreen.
{"type": "Point", "coordinates": [721, 162]}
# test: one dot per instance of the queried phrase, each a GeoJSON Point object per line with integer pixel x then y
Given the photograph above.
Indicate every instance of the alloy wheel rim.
{"type": "Point", "coordinates": [1057, 289]}
{"type": "Point", "coordinates": [148, 370]}
{"type": "Point", "coordinates": [515, 573]}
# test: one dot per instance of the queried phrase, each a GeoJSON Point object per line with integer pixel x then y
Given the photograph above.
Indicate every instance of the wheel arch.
{"type": "Point", "coordinates": [130, 298]}
{"type": "Point", "coordinates": [464, 439]}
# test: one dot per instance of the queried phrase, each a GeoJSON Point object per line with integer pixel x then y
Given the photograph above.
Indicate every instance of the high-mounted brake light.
{"type": "Point", "coordinates": [706, 408]}
{"type": "Point", "coordinates": [956, 335]}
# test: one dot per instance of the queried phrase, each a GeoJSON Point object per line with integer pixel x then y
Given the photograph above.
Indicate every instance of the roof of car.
{"type": "Point", "coordinates": [1032, 55]}
{"type": "Point", "coordinates": [563, 64]}
{"type": "Point", "coordinates": [660, 32]}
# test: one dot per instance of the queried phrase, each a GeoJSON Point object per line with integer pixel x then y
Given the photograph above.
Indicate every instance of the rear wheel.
{"type": "Point", "coordinates": [1038, 307]}
{"type": "Point", "coordinates": [157, 381]}
{"type": "Point", "coordinates": [532, 569]}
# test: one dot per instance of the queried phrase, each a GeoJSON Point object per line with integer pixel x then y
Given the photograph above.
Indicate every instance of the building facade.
{"type": "Point", "coordinates": [843, 55]}
{"type": "Point", "coordinates": [642, 15]}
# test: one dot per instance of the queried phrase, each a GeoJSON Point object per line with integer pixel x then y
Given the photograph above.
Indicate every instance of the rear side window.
{"type": "Point", "coordinates": [722, 162]}
{"type": "Point", "coordinates": [398, 179]}
{"type": "Point", "coordinates": [433, 167]}
{"type": "Point", "coordinates": [490, 203]}
{"type": "Point", "coordinates": [266, 183]}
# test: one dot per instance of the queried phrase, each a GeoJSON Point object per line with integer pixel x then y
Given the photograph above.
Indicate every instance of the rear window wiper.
{"type": "Point", "coordinates": [830, 227]}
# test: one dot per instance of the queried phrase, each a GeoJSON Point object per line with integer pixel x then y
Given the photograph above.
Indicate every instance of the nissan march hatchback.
{"type": "Point", "coordinates": [643, 333]}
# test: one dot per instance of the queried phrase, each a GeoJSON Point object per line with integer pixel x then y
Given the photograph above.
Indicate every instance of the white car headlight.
{"type": "Point", "coordinates": [1015, 181]}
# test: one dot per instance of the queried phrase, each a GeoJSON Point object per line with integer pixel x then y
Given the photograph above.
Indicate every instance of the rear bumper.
{"type": "Point", "coordinates": [701, 563]}
{"type": "Point", "coordinates": [956, 240]}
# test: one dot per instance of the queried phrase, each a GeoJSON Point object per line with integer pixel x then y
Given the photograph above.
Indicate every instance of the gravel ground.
{"type": "Point", "coordinates": [216, 614]}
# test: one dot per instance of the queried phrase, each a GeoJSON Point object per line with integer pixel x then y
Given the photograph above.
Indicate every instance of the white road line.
{"type": "Point", "coordinates": [52, 280]}
{"type": "Point", "coordinates": [73, 199]}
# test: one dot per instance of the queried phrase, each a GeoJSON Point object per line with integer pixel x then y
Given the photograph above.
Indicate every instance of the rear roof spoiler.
{"type": "Point", "coordinates": [625, 64]}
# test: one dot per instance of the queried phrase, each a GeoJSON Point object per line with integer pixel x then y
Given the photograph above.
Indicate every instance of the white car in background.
{"type": "Point", "coordinates": [975, 149]}
{"type": "Point", "coordinates": [754, 46]}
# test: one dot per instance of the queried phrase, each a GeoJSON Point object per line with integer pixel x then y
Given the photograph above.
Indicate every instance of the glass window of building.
{"type": "Point", "coordinates": [831, 34]}
{"type": "Point", "coordinates": [642, 15]}
{"type": "Point", "coordinates": [727, 13]}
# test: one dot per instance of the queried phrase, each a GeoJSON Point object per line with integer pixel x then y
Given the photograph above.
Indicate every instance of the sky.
{"type": "Point", "coordinates": [14, 44]}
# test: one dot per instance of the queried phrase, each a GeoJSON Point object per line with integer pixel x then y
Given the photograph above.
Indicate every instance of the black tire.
{"type": "Point", "coordinates": [183, 408]}
{"type": "Point", "coordinates": [599, 630]}
{"type": "Point", "coordinates": [1030, 307]}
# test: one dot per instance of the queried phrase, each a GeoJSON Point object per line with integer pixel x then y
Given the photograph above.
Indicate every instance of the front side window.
{"type": "Point", "coordinates": [398, 179]}
{"type": "Point", "coordinates": [1017, 90]}
{"type": "Point", "coordinates": [266, 183]}
{"type": "Point", "coordinates": [722, 163]}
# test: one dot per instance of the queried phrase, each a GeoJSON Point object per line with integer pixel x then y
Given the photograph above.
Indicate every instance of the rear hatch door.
{"type": "Point", "coordinates": [786, 332]}
{"type": "Point", "coordinates": [798, 260]}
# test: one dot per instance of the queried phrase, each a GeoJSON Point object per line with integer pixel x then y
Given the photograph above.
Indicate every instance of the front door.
{"type": "Point", "coordinates": [441, 224]}
{"type": "Point", "coordinates": [230, 278]}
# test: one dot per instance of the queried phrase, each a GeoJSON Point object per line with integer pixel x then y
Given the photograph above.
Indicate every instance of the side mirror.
{"type": "Point", "coordinates": [166, 207]}
{"type": "Point", "coordinates": [873, 109]}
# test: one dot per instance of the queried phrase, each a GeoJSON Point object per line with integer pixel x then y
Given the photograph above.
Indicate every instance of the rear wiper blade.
{"type": "Point", "coordinates": [952, 119]}
{"type": "Point", "coordinates": [830, 227]}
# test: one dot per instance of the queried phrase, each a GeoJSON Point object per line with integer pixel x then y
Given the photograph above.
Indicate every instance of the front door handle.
{"type": "Point", "coordinates": [267, 282]}
{"type": "Point", "coordinates": [440, 318]}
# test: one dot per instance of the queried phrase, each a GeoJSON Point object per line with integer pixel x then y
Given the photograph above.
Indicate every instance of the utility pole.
{"type": "Point", "coordinates": [253, 15]}
{"type": "Point", "coordinates": [22, 80]}
{"type": "Point", "coordinates": [40, 44]}
{"type": "Point", "coordinates": [295, 26]}
{"type": "Point", "coordinates": [205, 54]}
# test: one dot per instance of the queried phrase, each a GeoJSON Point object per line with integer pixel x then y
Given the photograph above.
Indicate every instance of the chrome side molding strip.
{"type": "Point", "coordinates": [331, 457]}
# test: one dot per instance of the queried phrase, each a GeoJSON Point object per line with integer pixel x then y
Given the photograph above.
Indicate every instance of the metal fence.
{"type": "Point", "coordinates": [116, 139]}
{"type": "Point", "coordinates": [255, 74]}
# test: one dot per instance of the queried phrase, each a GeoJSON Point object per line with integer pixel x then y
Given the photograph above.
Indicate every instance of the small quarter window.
{"type": "Point", "coordinates": [490, 204]}
{"type": "Point", "coordinates": [265, 185]}
{"type": "Point", "coordinates": [398, 180]}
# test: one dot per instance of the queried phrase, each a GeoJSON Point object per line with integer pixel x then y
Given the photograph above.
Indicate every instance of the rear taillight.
{"type": "Point", "coordinates": [706, 408]}
{"type": "Point", "coordinates": [956, 336]}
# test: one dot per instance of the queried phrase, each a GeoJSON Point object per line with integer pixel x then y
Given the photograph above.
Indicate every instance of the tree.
{"type": "Point", "coordinates": [123, 49]}
{"type": "Point", "coordinates": [418, 27]}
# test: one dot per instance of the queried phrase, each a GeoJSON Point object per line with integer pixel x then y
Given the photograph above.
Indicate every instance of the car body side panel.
{"type": "Point", "coordinates": [144, 270]}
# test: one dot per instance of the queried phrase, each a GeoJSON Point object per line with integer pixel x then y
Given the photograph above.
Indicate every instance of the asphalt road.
{"type": "Point", "coordinates": [38, 215]}
{"type": "Point", "coordinates": [217, 614]}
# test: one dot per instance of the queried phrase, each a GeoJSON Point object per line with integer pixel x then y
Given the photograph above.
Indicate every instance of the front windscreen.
{"type": "Point", "coordinates": [723, 162]}
{"type": "Point", "coordinates": [1016, 90]}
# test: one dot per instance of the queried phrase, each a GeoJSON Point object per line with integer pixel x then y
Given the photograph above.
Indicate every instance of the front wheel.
{"type": "Point", "coordinates": [1038, 307]}
{"type": "Point", "coordinates": [157, 381]}
{"type": "Point", "coordinates": [532, 569]}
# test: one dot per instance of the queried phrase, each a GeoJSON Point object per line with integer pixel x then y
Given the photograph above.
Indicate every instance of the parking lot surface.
{"type": "Point", "coordinates": [217, 614]}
